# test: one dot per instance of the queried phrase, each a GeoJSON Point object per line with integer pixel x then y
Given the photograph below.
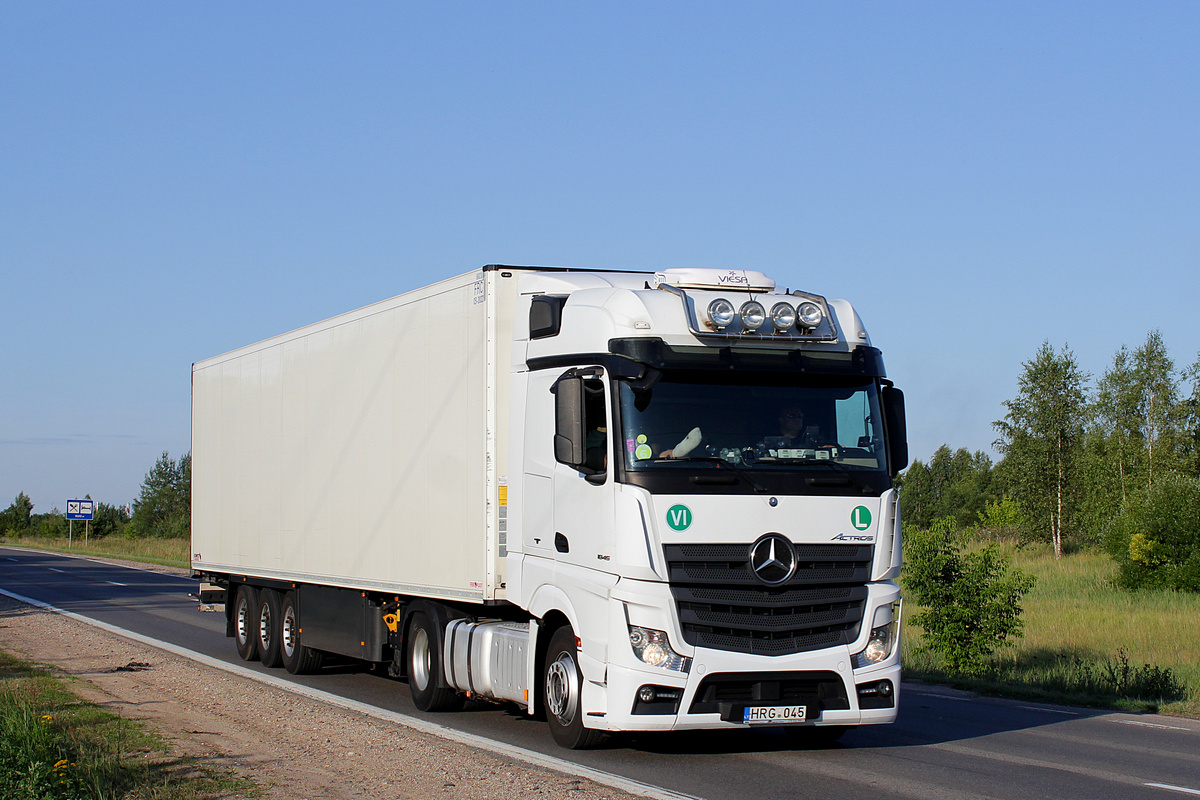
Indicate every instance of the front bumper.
{"type": "Point", "coordinates": [720, 684]}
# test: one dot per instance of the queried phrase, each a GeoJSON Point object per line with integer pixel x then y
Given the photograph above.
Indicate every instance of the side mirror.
{"type": "Point", "coordinates": [568, 421]}
{"type": "Point", "coordinates": [897, 430]}
{"type": "Point", "coordinates": [578, 409]}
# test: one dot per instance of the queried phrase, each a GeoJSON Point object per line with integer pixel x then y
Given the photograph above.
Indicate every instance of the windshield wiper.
{"type": "Point", "coordinates": [720, 462]}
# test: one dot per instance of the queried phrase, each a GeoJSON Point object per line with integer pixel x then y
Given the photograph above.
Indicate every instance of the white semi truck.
{"type": "Point", "coordinates": [627, 501]}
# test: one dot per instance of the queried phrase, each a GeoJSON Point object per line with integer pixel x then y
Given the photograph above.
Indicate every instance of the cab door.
{"type": "Point", "coordinates": [583, 485]}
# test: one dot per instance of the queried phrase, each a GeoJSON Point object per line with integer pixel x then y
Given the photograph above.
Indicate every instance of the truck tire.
{"type": "Point", "coordinates": [269, 628]}
{"type": "Point", "coordinates": [297, 658]}
{"type": "Point", "coordinates": [425, 666]}
{"type": "Point", "coordinates": [562, 690]}
{"type": "Point", "coordinates": [245, 622]}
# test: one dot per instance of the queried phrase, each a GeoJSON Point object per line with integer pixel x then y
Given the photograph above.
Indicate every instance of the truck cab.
{"type": "Point", "coordinates": [701, 491]}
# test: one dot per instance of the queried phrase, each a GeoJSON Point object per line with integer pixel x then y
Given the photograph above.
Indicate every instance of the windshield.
{"type": "Point", "coordinates": [756, 423]}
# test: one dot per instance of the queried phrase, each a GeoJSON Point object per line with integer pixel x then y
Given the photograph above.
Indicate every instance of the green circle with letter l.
{"type": "Point", "coordinates": [679, 517]}
{"type": "Point", "coordinates": [860, 518]}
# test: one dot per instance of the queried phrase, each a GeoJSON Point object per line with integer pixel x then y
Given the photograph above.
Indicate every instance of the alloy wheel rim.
{"type": "Point", "coordinates": [289, 632]}
{"type": "Point", "coordinates": [561, 694]}
{"type": "Point", "coordinates": [421, 659]}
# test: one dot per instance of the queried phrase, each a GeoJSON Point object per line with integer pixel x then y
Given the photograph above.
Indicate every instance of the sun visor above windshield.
{"type": "Point", "coordinates": [745, 280]}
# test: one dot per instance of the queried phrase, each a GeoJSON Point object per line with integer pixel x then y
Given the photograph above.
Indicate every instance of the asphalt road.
{"type": "Point", "coordinates": [943, 746]}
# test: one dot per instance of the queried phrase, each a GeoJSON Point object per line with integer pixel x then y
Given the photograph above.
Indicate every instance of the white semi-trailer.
{"type": "Point", "coordinates": [629, 501]}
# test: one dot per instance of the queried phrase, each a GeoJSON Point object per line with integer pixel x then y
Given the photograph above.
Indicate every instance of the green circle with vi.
{"type": "Point", "coordinates": [679, 517]}
{"type": "Point", "coordinates": [860, 518]}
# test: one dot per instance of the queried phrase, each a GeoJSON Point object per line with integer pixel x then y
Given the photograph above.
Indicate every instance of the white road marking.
{"type": "Point", "coordinates": [52, 569]}
{"type": "Point", "coordinates": [114, 583]}
{"type": "Point", "coordinates": [941, 696]}
{"type": "Point", "coordinates": [1183, 789]}
{"type": "Point", "coordinates": [424, 726]}
{"type": "Point", "coordinates": [1149, 724]}
{"type": "Point", "coordinates": [1051, 710]}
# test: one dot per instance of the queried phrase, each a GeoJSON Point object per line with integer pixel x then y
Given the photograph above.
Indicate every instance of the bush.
{"type": "Point", "coordinates": [970, 598]}
{"type": "Point", "coordinates": [1155, 538]}
{"type": "Point", "coordinates": [1002, 520]}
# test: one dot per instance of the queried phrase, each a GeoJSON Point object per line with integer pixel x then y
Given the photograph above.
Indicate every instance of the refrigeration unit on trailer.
{"type": "Point", "coordinates": [631, 501]}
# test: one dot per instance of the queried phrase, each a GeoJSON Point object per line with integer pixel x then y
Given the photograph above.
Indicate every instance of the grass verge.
{"type": "Point", "coordinates": [1087, 642]}
{"type": "Point", "coordinates": [164, 552]}
{"type": "Point", "coordinates": [55, 746]}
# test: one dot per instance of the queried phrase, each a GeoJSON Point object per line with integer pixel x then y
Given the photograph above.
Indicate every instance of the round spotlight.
{"type": "Point", "coordinates": [783, 316]}
{"type": "Point", "coordinates": [753, 315]}
{"type": "Point", "coordinates": [721, 313]}
{"type": "Point", "coordinates": [809, 315]}
{"type": "Point", "coordinates": [647, 694]}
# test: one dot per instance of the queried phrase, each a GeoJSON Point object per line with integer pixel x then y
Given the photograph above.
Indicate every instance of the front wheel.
{"type": "Point", "coordinates": [562, 690]}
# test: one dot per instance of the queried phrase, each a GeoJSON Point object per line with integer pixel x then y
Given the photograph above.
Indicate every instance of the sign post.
{"type": "Point", "coordinates": [79, 509]}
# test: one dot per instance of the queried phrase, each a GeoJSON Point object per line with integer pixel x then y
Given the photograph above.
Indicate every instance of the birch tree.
{"type": "Point", "coordinates": [1040, 437]}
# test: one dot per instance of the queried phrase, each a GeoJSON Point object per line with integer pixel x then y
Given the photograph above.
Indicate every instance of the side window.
{"type": "Point", "coordinates": [853, 421]}
{"type": "Point", "coordinates": [595, 425]}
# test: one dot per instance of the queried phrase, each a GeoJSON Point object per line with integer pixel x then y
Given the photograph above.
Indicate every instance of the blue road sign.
{"type": "Point", "coordinates": [81, 509]}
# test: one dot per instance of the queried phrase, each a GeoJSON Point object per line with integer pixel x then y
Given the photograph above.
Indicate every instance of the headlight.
{"type": "Point", "coordinates": [753, 315]}
{"type": "Point", "coordinates": [783, 316]}
{"type": "Point", "coordinates": [721, 313]}
{"type": "Point", "coordinates": [654, 648]}
{"type": "Point", "coordinates": [882, 641]}
{"type": "Point", "coordinates": [809, 315]}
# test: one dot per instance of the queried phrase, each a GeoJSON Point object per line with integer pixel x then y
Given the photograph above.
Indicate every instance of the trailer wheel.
{"type": "Point", "coordinates": [297, 658]}
{"type": "Point", "coordinates": [245, 623]}
{"type": "Point", "coordinates": [562, 689]}
{"type": "Point", "coordinates": [425, 667]}
{"type": "Point", "coordinates": [269, 628]}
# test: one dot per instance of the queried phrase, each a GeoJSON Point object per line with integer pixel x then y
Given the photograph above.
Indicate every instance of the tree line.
{"type": "Point", "coordinates": [1114, 463]}
{"type": "Point", "coordinates": [162, 509]}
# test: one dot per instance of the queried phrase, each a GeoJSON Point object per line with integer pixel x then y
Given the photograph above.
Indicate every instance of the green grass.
{"type": "Point", "coordinates": [1086, 641]}
{"type": "Point", "coordinates": [165, 552]}
{"type": "Point", "coordinates": [54, 746]}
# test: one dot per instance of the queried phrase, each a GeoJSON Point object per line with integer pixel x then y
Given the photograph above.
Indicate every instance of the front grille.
{"type": "Point", "coordinates": [729, 564]}
{"type": "Point", "coordinates": [722, 605]}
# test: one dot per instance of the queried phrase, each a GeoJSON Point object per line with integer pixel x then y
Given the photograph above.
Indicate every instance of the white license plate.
{"type": "Point", "coordinates": [774, 715]}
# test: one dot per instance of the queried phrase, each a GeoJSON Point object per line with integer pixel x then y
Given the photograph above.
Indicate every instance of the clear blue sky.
{"type": "Point", "coordinates": [179, 179]}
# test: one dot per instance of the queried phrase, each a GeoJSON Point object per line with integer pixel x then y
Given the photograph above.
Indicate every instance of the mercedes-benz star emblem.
{"type": "Point", "coordinates": [772, 559]}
